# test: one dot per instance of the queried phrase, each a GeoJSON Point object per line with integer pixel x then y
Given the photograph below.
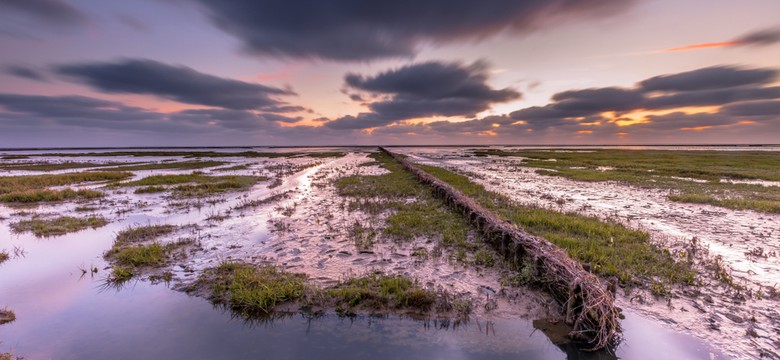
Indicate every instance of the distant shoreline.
{"type": "Point", "coordinates": [373, 146]}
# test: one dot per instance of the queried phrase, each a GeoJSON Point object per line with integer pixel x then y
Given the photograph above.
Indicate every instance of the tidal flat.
{"type": "Point", "coordinates": [339, 253]}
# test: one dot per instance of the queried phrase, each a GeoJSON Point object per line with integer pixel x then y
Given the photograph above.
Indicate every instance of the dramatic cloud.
{"type": "Point", "coordinates": [712, 86]}
{"type": "Point", "coordinates": [764, 37]}
{"type": "Point", "coordinates": [179, 83]}
{"type": "Point", "coordinates": [424, 90]}
{"type": "Point", "coordinates": [75, 108]}
{"type": "Point", "coordinates": [715, 77]}
{"type": "Point", "coordinates": [753, 108]}
{"type": "Point", "coordinates": [24, 72]}
{"type": "Point", "coordinates": [46, 11]}
{"type": "Point", "coordinates": [364, 30]}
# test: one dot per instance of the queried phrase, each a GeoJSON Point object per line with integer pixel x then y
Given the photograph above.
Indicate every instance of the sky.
{"type": "Point", "coordinates": [95, 73]}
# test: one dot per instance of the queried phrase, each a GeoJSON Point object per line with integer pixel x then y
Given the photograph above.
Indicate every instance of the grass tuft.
{"type": "Point", "coordinates": [58, 226]}
{"type": "Point", "coordinates": [7, 316]}
{"type": "Point", "coordinates": [609, 247]}
{"type": "Point", "coordinates": [144, 233]}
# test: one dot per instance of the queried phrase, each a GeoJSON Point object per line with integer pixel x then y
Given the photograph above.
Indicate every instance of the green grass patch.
{"type": "Point", "coordinates": [14, 157]}
{"type": "Point", "coordinates": [150, 189]}
{"type": "Point", "coordinates": [128, 258]}
{"type": "Point", "coordinates": [253, 291]}
{"type": "Point", "coordinates": [139, 234]}
{"type": "Point", "coordinates": [182, 165]}
{"type": "Point", "coordinates": [414, 211]}
{"type": "Point", "coordinates": [35, 188]}
{"type": "Point", "coordinates": [667, 169]}
{"type": "Point", "coordinates": [377, 290]}
{"type": "Point", "coordinates": [58, 226]}
{"type": "Point", "coordinates": [32, 196]}
{"type": "Point", "coordinates": [56, 166]}
{"type": "Point", "coordinates": [199, 154]}
{"type": "Point", "coordinates": [608, 246]}
{"type": "Point", "coordinates": [193, 185]}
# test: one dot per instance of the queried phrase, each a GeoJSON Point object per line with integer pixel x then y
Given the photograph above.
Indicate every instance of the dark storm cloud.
{"type": "Point", "coordinates": [29, 112]}
{"type": "Point", "coordinates": [76, 108]}
{"type": "Point", "coordinates": [712, 86]}
{"type": "Point", "coordinates": [753, 108]}
{"type": "Point", "coordinates": [715, 77]}
{"type": "Point", "coordinates": [423, 90]}
{"type": "Point", "coordinates": [24, 72]}
{"type": "Point", "coordinates": [760, 38]}
{"type": "Point", "coordinates": [47, 11]}
{"type": "Point", "coordinates": [590, 101]}
{"type": "Point", "coordinates": [711, 97]}
{"type": "Point", "coordinates": [179, 83]}
{"type": "Point", "coordinates": [363, 30]}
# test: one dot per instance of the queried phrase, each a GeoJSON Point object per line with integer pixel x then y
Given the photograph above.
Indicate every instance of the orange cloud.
{"type": "Point", "coordinates": [704, 46]}
{"type": "Point", "coordinates": [585, 132]}
{"type": "Point", "coordinates": [697, 128]}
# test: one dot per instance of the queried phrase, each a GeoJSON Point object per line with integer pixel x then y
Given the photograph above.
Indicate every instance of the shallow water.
{"type": "Point", "coordinates": [64, 315]}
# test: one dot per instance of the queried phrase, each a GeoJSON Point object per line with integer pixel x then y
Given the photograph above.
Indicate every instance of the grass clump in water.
{"type": "Point", "coordinates": [4, 256]}
{"type": "Point", "coordinates": [181, 165]}
{"type": "Point", "coordinates": [259, 290]}
{"type": "Point", "coordinates": [144, 233]}
{"type": "Point", "coordinates": [43, 166]}
{"type": "Point", "coordinates": [7, 316]}
{"type": "Point", "coordinates": [35, 188]}
{"type": "Point", "coordinates": [58, 226]}
{"type": "Point", "coordinates": [193, 185]}
{"type": "Point", "coordinates": [377, 290]}
{"type": "Point", "coordinates": [127, 256]}
{"type": "Point", "coordinates": [609, 247]}
{"type": "Point", "coordinates": [254, 291]}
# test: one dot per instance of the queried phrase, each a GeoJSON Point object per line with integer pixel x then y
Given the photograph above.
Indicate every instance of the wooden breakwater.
{"type": "Point", "coordinates": [588, 307]}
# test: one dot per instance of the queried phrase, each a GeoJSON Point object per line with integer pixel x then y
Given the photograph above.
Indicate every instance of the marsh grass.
{"type": "Point", "coordinates": [671, 170]}
{"type": "Point", "coordinates": [192, 185]}
{"type": "Point", "coordinates": [610, 248]}
{"type": "Point", "coordinates": [130, 259]}
{"type": "Point", "coordinates": [35, 188]}
{"type": "Point", "coordinates": [250, 290]}
{"type": "Point", "coordinates": [413, 210]}
{"type": "Point", "coordinates": [43, 166]}
{"type": "Point", "coordinates": [4, 256]}
{"type": "Point", "coordinates": [377, 290]}
{"type": "Point", "coordinates": [139, 234]}
{"type": "Point", "coordinates": [58, 226]}
{"type": "Point", "coordinates": [6, 316]}
{"type": "Point", "coordinates": [257, 291]}
{"type": "Point", "coordinates": [182, 165]}
{"type": "Point", "coordinates": [198, 154]}
{"type": "Point", "coordinates": [32, 196]}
